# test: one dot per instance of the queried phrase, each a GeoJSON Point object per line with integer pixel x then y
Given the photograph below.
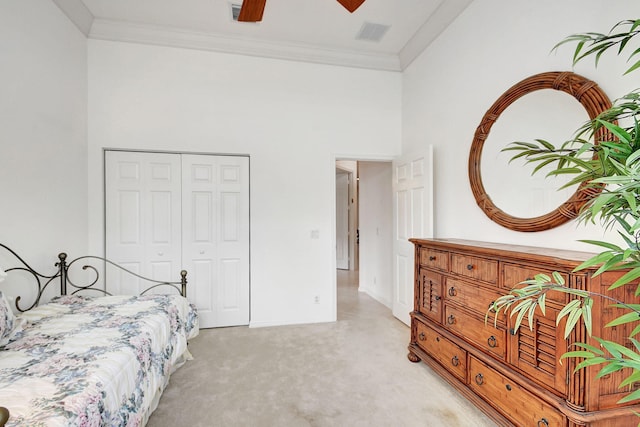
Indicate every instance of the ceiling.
{"type": "Point", "coordinates": [319, 31]}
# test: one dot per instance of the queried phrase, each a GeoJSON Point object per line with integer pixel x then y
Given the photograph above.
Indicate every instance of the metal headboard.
{"type": "Point", "coordinates": [42, 281]}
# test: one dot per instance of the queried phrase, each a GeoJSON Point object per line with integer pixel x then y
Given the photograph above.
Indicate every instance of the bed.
{"type": "Point", "coordinates": [86, 357]}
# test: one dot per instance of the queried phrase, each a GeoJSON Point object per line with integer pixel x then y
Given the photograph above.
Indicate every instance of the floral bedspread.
{"type": "Point", "coordinates": [94, 361]}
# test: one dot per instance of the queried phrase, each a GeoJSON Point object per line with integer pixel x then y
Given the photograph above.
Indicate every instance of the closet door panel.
{"type": "Point", "coordinates": [215, 233]}
{"type": "Point", "coordinates": [143, 220]}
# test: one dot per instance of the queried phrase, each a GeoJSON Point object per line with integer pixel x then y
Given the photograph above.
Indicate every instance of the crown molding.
{"type": "Point", "coordinates": [446, 12]}
{"type": "Point", "coordinates": [78, 13]}
{"type": "Point", "coordinates": [146, 34]}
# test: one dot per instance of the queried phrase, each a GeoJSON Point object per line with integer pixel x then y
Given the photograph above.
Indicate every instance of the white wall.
{"type": "Point", "coordinates": [43, 123]}
{"type": "Point", "coordinates": [376, 233]}
{"type": "Point", "coordinates": [293, 119]}
{"type": "Point", "coordinates": [491, 46]}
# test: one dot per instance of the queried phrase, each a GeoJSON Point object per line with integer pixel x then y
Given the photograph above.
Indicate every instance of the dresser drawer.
{"type": "Point", "coordinates": [476, 268]}
{"type": "Point", "coordinates": [487, 337]}
{"type": "Point", "coordinates": [472, 297]}
{"type": "Point", "coordinates": [509, 398]}
{"type": "Point", "coordinates": [536, 350]}
{"type": "Point", "coordinates": [452, 357]}
{"type": "Point", "coordinates": [433, 258]}
{"type": "Point", "coordinates": [513, 274]}
{"type": "Point", "coordinates": [430, 295]}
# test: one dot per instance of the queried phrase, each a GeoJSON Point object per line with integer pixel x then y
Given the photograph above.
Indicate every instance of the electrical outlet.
{"type": "Point", "coordinates": [316, 299]}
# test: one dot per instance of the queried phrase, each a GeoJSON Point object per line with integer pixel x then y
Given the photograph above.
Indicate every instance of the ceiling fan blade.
{"type": "Point", "coordinates": [251, 10]}
{"type": "Point", "coordinates": [351, 5]}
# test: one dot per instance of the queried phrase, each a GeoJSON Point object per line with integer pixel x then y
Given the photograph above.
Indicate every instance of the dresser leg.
{"type": "Point", "coordinates": [412, 357]}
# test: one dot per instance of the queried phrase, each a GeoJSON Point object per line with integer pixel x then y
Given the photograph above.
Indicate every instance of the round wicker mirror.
{"type": "Point", "coordinates": [585, 91]}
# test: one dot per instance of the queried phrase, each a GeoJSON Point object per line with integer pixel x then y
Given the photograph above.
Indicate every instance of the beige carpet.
{"type": "Point", "coordinates": [353, 372]}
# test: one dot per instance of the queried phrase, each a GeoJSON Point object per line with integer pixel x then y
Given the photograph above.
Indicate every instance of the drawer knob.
{"type": "Point", "coordinates": [508, 387]}
{"type": "Point", "coordinates": [451, 319]}
{"type": "Point", "coordinates": [432, 258]}
{"type": "Point", "coordinates": [455, 361]}
{"type": "Point", "coordinates": [422, 336]}
{"type": "Point", "coordinates": [437, 297]}
{"type": "Point", "coordinates": [543, 423]}
{"type": "Point", "coordinates": [480, 381]}
{"type": "Point", "coordinates": [452, 292]}
{"type": "Point", "coordinates": [492, 342]}
{"type": "Point", "coordinates": [469, 267]}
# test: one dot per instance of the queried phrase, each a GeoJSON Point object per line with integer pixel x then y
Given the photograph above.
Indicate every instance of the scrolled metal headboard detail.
{"type": "Point", "coordinates": [42, 281]}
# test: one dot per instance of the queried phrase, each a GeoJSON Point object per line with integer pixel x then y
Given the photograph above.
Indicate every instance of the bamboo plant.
{"type": "Point", "coordinates": [612, 166]}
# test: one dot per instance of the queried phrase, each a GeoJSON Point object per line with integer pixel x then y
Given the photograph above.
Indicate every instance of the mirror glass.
{"type": "Point", "coordinates": [546, 114]}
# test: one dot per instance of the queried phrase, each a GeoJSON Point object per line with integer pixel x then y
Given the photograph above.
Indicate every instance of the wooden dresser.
{"type": "Point", "coordinates": [513, 376]}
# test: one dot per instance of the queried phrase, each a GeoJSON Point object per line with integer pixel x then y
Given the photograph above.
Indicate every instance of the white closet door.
{"type": "Point", "coordinates": [412, 217]}
{"type": "Point", "coordinates": [216, 237]}
{"type": "Point", "coordinates": [143, 217]}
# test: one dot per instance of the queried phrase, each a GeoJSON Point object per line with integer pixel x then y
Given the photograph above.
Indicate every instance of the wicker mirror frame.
{"type": "Point", "coordinates": [592, 98]}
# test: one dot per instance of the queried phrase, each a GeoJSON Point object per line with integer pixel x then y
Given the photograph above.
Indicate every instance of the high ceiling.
{"type": "Point", "coordinates": [308, 30]}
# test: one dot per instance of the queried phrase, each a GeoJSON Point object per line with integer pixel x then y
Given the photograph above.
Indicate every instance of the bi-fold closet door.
{"type": "Point", "coordinates": [168, 211]}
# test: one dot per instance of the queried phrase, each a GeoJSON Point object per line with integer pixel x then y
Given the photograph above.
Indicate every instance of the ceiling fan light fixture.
{"type": "Point", "coordinates": [372, 32]}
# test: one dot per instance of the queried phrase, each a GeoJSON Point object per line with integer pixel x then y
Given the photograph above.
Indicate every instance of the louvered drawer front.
{"type": "Point", "coordinates": [486, 337]}
{"type": "Point", "coordinates": [512, 275]}
{"type": "Point", "coordinates": [472, 297]}
{"type": "Point", "coordinates": [475, 268]}
{"type": "Point", "coordinates": [537, 352]}
{"type": "Point", "coordinates": [431, 295]}
{"type": "Point", "coordinates": [513, 401]}
{"type": "Point", "coordinates": [434, 258]}
{"type": "Point", "coordinates": [444, 351]}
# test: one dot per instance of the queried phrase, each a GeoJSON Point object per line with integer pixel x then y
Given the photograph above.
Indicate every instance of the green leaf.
{"type": "Point", "coordinates": [572, 320]}
{"type": "Point", "coordinates": [607, 245]}
{"type": "Point", "coordinates": [567, 309]}
{"type": "Point", "coordinates": [625, 318]}
{"type": "Point", "coordinates": [578, 353]}
{"type": "Point", "coordinates": [626, 278]}
{"type": "Point", "coordinates": [633, 68]}
{"type": "Point", "coordinates": [591, 348]}
{"type": "Point", "coordinates": [590, 362]}
{"type": "Point", "coordinates": [598, 259]}
{"type": "Point", "coordinates": [521, 313]}
{"type": "Point", "coordinates": [557, 277]}
{"type": "Point", "coordinates": [616, 130]}
{"type": "Point", "coordinates": [532, 310]}
{"type": "Point", "coordinates": [608, 369]}
{"type": "Point", "coordinates": [586, 315]}
{"type": "Point", "coordinates": [616, 350]}
{"type": "Point", "coordinates": [630, 397]}
{"type": "Point", "coordinates": [541, 303]}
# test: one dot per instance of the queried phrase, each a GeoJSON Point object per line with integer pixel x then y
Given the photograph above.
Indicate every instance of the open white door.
{"type": "Point", "coordinates": [342, 221]}
{"type": "Point", "coordinates": [412, 217]}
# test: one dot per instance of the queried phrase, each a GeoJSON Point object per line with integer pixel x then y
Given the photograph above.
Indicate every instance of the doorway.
{"type": "Point", "coordinates": [370, 219]}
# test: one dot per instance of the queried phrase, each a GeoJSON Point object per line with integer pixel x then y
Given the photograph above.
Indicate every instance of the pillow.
{"type": "Point", "coordinates": [9, 324]}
